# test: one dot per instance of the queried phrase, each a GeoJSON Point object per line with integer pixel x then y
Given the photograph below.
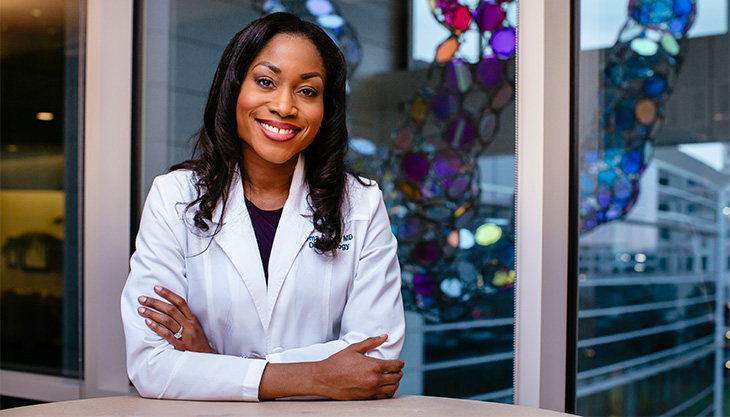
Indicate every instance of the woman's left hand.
{"type": "Point", "coordinates": [174, 322]}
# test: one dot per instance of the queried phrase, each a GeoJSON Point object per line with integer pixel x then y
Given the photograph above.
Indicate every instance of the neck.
{"type": "Point", "coordinates": [267, 185]}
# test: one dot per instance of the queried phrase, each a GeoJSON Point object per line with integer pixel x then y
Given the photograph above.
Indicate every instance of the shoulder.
{"type": "Point", "coordinates": [176, 185]}
{"type": "Point", "coordinates": [171, 193]}
{"type": "Point", "coordinates": [363, 197]}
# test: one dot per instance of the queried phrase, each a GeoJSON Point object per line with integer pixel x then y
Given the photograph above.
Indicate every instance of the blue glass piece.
{"type": "Point", "coordinates": [607, 177]}
{"type": "Point", "coordinates": [591, 156]}
{"type": "Point", "coordinates": [678, 24]}
{"type": "Point", "coordinates": [620, 203]}
{"type": "Point", "coordinates": [662, 13]}
{"type": "Point", "coordinates": [600, 216]}
{"type": "Point", "coordinates": [507, 254]}
{"type": "Point", "coordinates": [586, 186]}
{"type": "Point", "coordinates": [427, 301]}
{"type": "Point", "coordinates": [624, 117]}
{"type": "Point", "coordinates": [319, 7]}
{"type": "Point", "coordinates": [631, 162]}
{"type": "Point", "coordinates": [682, 7]}
{"type": "Point", "coordinates": [637, 67]}
{"type": "Point", "coordinates": [654, 86]}
{"type": "Point", "coordinates": [273, 6]}
{"type": "Point", "coordinates": [612, 156]}
{"type": "Point", "coordinates": [613, 73]}
{"type": "Point", "coordinates": [331, 21]}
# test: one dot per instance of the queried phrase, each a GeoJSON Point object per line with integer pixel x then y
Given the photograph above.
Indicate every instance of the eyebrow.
{"type": "Point", "coordinates": [276, 70]}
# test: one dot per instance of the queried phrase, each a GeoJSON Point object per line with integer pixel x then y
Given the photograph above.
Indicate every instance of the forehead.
{"type": "Point", "coordinates": [293, 52]}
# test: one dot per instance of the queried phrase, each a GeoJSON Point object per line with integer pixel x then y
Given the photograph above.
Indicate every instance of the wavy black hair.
{"type": "Point", "coordinates": [218, 152]}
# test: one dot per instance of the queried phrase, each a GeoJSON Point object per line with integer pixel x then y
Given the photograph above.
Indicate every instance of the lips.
{"type": "Point", "coordinates": [278, 131]}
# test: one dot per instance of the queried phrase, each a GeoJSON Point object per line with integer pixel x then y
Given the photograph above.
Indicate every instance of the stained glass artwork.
{"type": "Point", "coordinates": [326, 14]}
{"type": "Point", "coordinates": [432, 173]}
{"type": "Point", "coordinates": [638, 77]}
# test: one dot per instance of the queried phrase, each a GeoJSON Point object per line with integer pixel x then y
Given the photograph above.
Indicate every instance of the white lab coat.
{"type": "Point", "coordinates": [313, 307]}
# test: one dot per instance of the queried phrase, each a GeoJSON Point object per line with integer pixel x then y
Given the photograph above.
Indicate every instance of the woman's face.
{"type": "Point", "coordinates": [280, 106]}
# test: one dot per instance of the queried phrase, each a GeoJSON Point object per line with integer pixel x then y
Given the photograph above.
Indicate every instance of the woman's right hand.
{"type": "Point", "coordinates": [350, 375]}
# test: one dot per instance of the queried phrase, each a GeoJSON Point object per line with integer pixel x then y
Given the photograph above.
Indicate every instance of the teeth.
{"type": "Point", "coordinates": [276, 129]}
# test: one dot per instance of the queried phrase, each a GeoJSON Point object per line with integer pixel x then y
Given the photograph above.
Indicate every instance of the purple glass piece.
{"type": "Point", "coordinates": [489, 16]}
{"type": "Point", "coordinates": [612, 213]}
{"type": "Point", "coordinates": [489, 71]}
{"type": "Point", "coordinates": [461, 133]}
{"type": "Point", "coordinates": [415, 166]}
{"type": "Point", "coordinates": [423, 283]}
{"type": "Point", "coordinates": [445, 165]}
{"type": "Point", "coordinates": [444, 106]}
{"type": "Point", "coordinates": [410, 227]}
{"type": "Point", "coordinates": [457, 187]}
{"type": "Point", "coordinates": [458, 75]}
{"type": "Point", "coordinates": [603, 197]}
{"type": "Point", "coordinates": [503, 42]}
{"type": "Point", "coordinates": [427, 252]}
{"type": "Point", "coordinates": [589, 223]}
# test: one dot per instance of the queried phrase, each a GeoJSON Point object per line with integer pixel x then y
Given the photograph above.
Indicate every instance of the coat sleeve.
{"type": "Point", "coordinates": [155, 368]}
{"type": "Point", "coordinates": [374, 304]}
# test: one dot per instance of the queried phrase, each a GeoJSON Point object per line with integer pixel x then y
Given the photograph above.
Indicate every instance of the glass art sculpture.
{"type": "Point", "coordinates": [456, 251]}
{"type": "Point", "coordinates": [640, 71]}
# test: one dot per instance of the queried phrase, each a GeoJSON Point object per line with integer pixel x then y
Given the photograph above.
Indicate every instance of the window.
{"type": "Point", "coordinates": [40, 190]}
{"type": "Point", "coordinates": [460, 318]}
{"type": "Point", "coordinates": [646, 331]}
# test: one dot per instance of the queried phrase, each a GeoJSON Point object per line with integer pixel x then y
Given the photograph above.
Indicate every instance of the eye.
{"type": "Point", "coordinates": [309, 92]}
{"type": "Point", "coordinates": [265, 82]}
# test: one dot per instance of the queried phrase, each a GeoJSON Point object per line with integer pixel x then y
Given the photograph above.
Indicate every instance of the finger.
{"type": "Point", "coordinates": [176, 300]}
{"type": "Point", "coordinates": [163, 307]}
{"type": "Point", "coordinates": [159, 318]}
{"type": "Point", "coordinates": [391, 379]}
{"type": "Point", "coordinates": [386, 391]}
{"type": "Point", "coordinates": [390, 365]}
{"type": "Point", "coordinates": [369, 343]}
{"type": "Point", "coordinates": [164, 333]}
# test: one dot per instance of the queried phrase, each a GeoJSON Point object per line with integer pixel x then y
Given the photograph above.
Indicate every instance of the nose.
{"type": "Point", "coordinates": [283, 104]}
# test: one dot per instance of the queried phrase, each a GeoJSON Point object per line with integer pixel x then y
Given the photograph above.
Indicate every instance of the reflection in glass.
{"type": "Point", "coordinates": [653, 278]}
{"type": "Point", "coordinates": [39, 193]}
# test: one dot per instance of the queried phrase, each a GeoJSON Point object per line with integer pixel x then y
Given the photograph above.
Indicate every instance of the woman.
{"type": "Point", "coordinates": [323, 316]}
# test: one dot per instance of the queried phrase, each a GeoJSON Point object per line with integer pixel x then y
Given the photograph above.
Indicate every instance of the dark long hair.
{"type": "Point", "coordinates": [218, 152]}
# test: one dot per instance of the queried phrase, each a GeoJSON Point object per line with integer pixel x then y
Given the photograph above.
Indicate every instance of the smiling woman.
{"type": "Point", "coordinates": [251, 310]}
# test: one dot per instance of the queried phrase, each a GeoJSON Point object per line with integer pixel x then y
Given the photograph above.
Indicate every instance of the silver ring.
{"type": "Point", "coordinates": [178, 335]}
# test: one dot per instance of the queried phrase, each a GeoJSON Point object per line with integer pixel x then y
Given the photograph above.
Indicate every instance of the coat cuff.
{"type": "Point", "coordinates": [252, 379]}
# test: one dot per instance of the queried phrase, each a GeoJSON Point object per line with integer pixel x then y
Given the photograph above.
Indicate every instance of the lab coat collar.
{"type": "Point", "coordinates": [238, 240]}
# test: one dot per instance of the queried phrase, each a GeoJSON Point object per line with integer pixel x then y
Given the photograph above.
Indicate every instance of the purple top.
{"type": "Point", "coordinates": [264, 225]}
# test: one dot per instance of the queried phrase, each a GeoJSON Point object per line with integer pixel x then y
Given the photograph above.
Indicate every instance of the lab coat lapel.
{"type": "Point", "coordinates": [292, 232]}
{"type": "Point", "coordinates": [238, 241]}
